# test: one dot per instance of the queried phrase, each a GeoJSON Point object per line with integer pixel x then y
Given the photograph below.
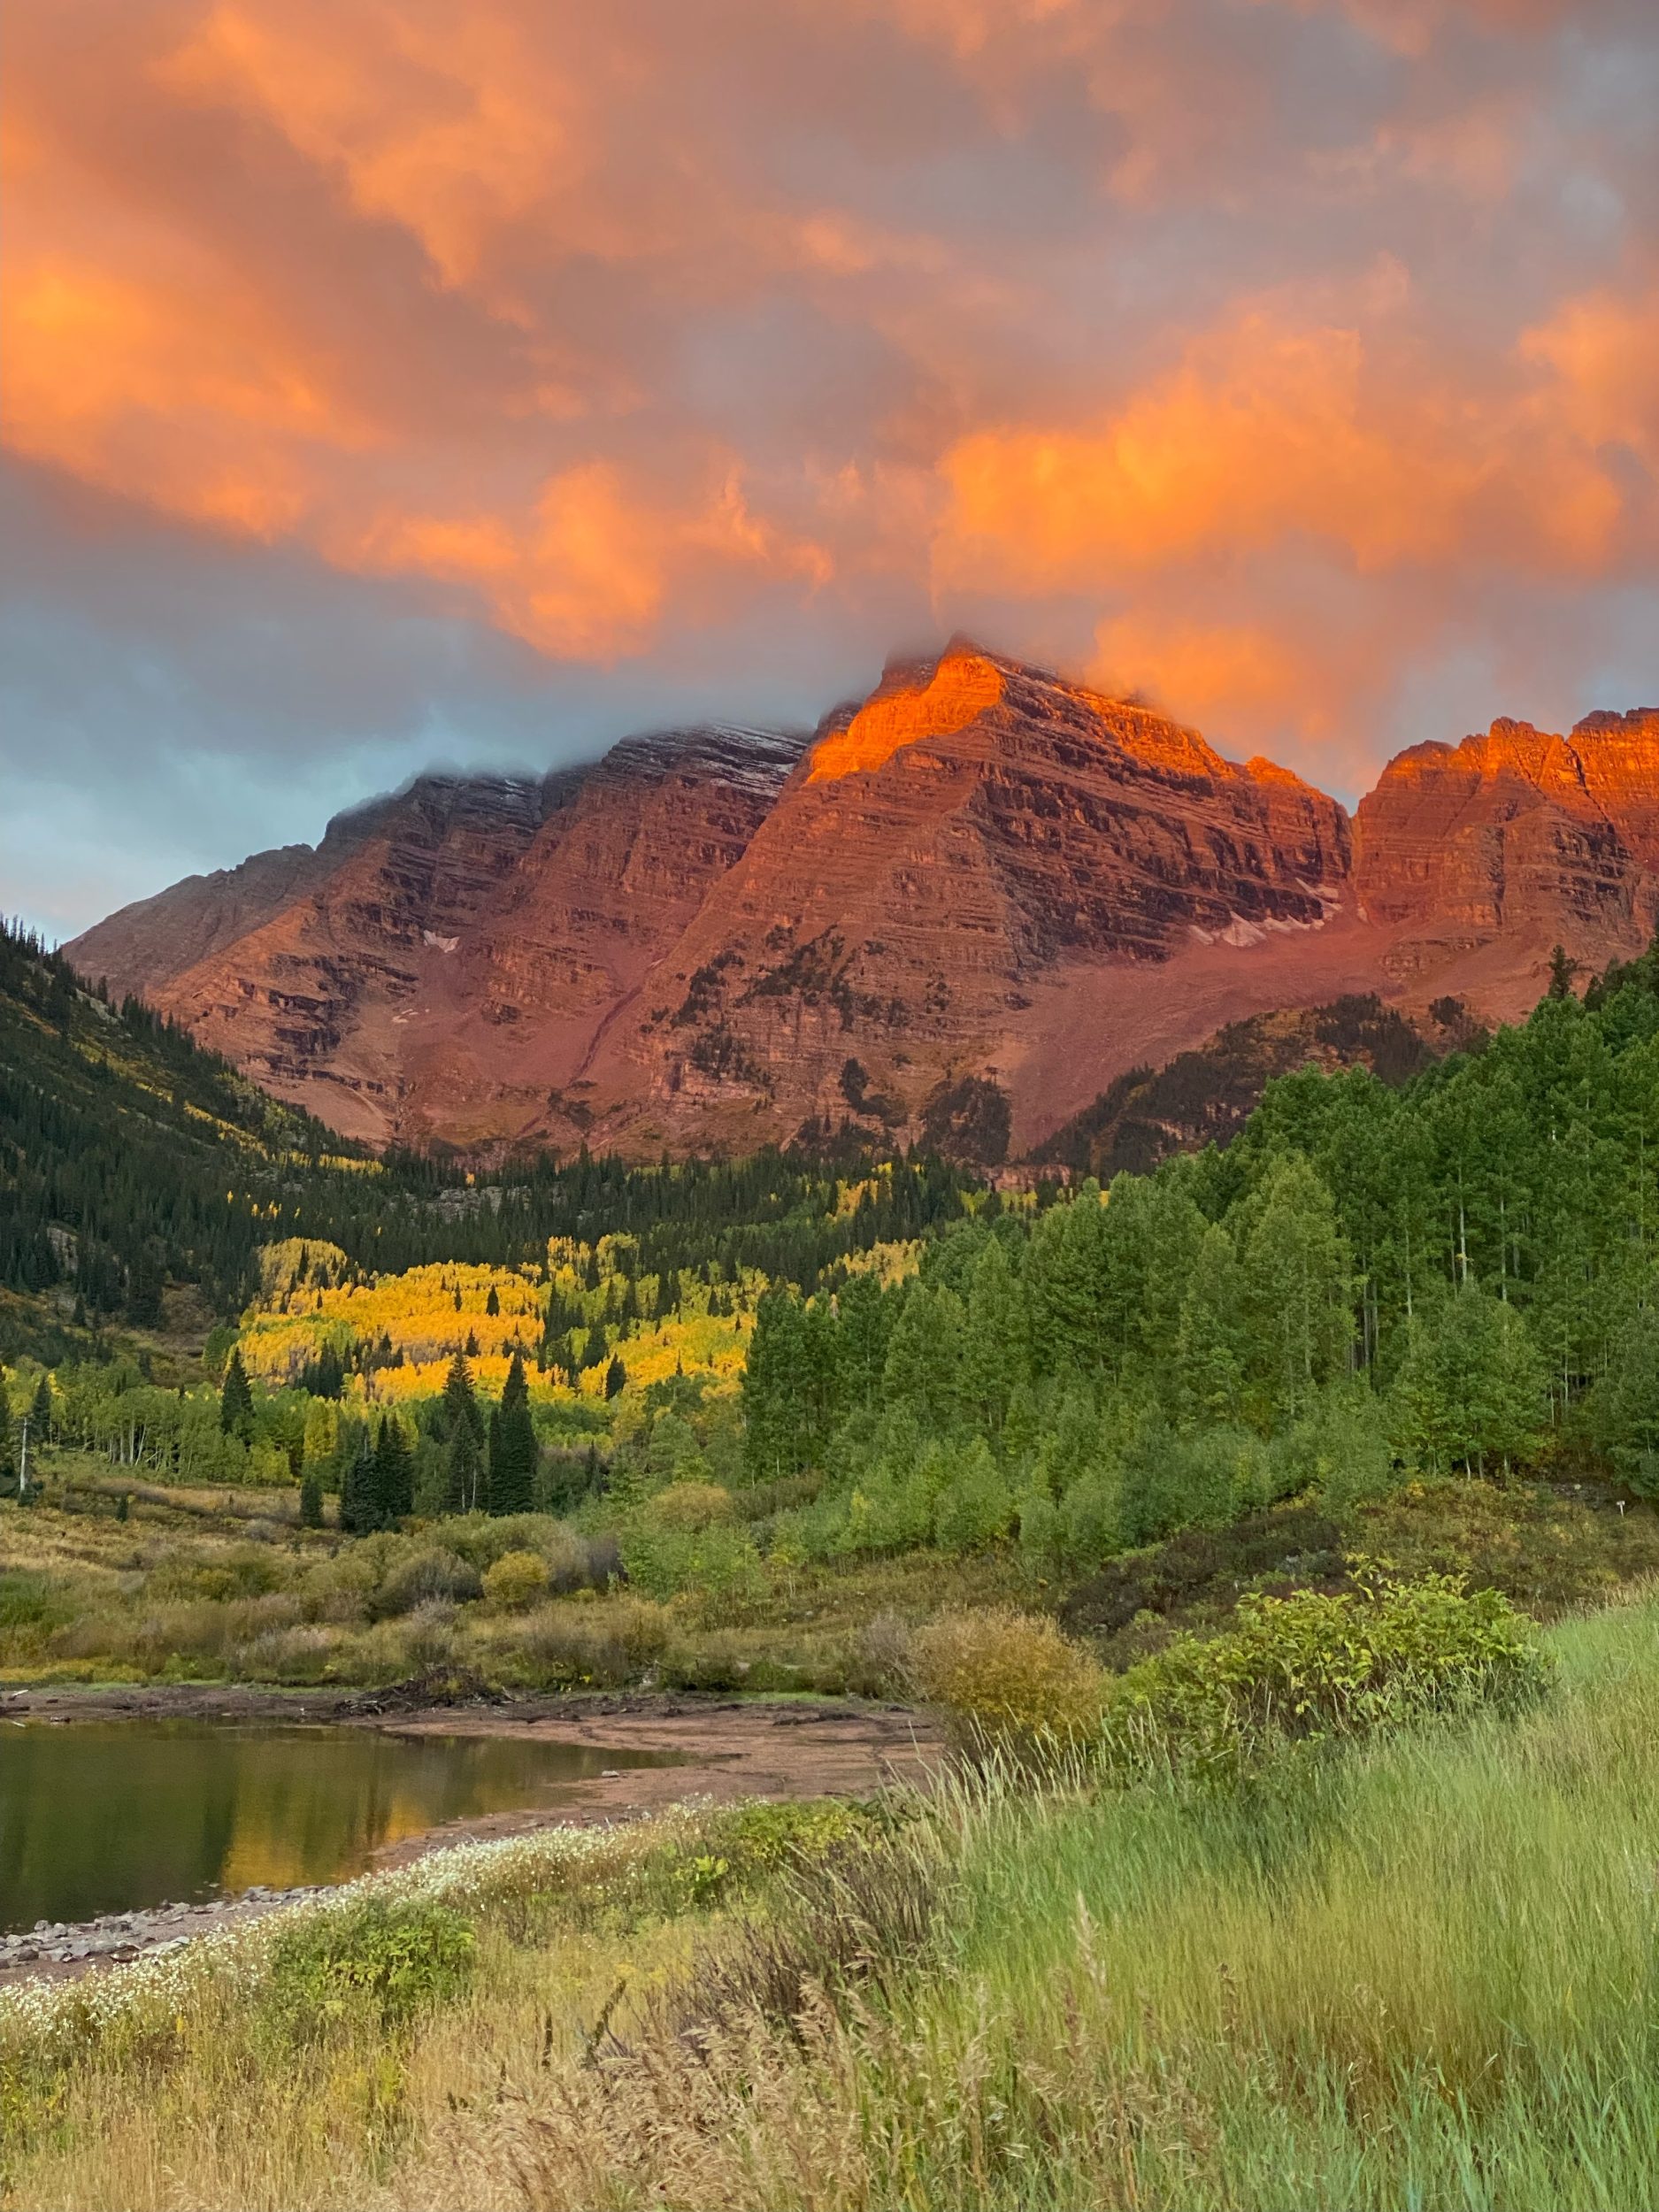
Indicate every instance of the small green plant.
{"type": "Point", "coordinates": [375, 1962]}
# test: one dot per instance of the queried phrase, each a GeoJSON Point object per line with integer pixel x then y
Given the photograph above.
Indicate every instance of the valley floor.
{"type": "Point", "coordinates": [1416, 1972]}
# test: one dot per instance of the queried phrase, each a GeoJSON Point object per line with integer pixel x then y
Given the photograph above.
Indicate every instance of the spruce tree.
{"type": "Point", "coordinates": [312, 1499]}
{"type": "Point", "coordinates": [615, 1379]}
{"type": "Point", "coordinates": [464, 1470]}
{"type": "Point", "coordinates": [235, 1401]}
{"type": "Point", "coordinates": [513, 1458]}
{"type": "Point", "coordinates": [359, 1504]}
{"type": "Point", "coordinates": [394, 1474]}
{"type": "Point", "coordinates": [460, 1401]}
{"type": "Point", "coordinates": [995, 1348]}
{"type": "Point", "coordinates": [40, 1412]}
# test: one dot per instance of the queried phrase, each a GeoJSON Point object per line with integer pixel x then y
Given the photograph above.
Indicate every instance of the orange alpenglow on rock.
{"type": "Point", "coordinates": [963, 685]}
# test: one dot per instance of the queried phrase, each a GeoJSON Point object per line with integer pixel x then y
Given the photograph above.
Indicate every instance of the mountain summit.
{"type": "Point", "coordinates": [979, 875]}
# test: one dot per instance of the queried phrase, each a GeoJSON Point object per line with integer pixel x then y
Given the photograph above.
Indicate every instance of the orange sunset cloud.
{"type": "Point", "coordinates": [1279, 358]}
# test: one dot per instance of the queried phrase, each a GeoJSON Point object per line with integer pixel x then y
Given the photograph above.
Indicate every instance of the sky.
{"type": "Point", "coordinates": [386, 383]}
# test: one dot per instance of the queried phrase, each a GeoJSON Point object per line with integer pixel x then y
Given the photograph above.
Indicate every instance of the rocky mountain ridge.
{"type": "Point", "coordinates": [980, 875]}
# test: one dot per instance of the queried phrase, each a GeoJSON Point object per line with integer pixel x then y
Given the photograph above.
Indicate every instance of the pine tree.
{"type": "Point", "coordinates": [512, 1465]}
{"type": "Point", "coordinates": [864, 1312]}
{"type": "Point", "coordinates": [925, 1356]}
{"type": "Point", "coordinates": [235, 1401]}
{"type": "Point", "coordinates": [460, 1401]}
{"type": "Point", "coordinates": [996, 1342]}
{"type": "Point", "coordinates": [616, 1379]}
{"type": "Point", "coordinates": [464, 1470]}
{"type": "Point", "coordinates": [777, 1430]}
{"type": "Point", "coordinates": [492, 1304]}
{"type": "Point", "coordinates": [40, 1411]}
{"type": "Point", "coordinates": [1561, 971]}
{"type": "Point", "coordinates": [1211, 1343]}
{"type": "Point", "coordinates": [394, 1474]}
{"type": "Point", "coordinates": [312, 1499]}
{"type": "Point", "coordinates": [360, 1501]}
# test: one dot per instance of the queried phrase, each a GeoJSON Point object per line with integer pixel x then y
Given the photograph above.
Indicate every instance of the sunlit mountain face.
{"type": "Point", "coordinates": [982, 890]}
{"type": "Point", "coordinates": [478, 383]}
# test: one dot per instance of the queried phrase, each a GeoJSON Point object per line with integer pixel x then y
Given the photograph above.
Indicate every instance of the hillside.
{"type": "Point", "coordinates": [1204, 1096]}
{"type": "Point", "coordinates": [719, 938]}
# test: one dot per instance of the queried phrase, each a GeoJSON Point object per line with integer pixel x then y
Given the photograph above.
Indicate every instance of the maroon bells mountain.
{"type": "Point", "coordinates": [981, 874]}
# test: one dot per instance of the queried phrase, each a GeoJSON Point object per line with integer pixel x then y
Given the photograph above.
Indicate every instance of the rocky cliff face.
{"type": "Point", "coordinates": [980, 875]}
{"type": "Point", "coordinates": [1481, 857]}
{"type": "Point", "coordinates": [971, 831]}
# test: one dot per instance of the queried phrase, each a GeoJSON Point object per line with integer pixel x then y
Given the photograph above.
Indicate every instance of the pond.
{"type": "Point", "coordinates": [103, 1816]}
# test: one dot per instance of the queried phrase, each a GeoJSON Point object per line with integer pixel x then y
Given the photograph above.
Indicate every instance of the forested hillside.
{"type": "Point", "coordinates": [131, 1161]}
{"type": "Point", "coordinates": [731, 1369]}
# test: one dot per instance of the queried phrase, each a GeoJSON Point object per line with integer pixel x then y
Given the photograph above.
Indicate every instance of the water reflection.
{"type": "Point", "coordinates": [106, 1815]}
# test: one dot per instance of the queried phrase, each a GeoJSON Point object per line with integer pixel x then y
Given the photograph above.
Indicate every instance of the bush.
{"type": "Point", "coordinates": [287, 1655]}
{"type": "Point", "coordinates": [482, 1540]}
{"type": "Point", "coordinates": [563, 1646]}
{"type": "Point", "coordinates": [1006, 1678]}
{"type": "Point", "coordinates": [1209, 1568]}
{"type": "Point", "coordinates": [718, 1559]}
{"type": "Point", "coordinates": [882, 1662]}
{"type": "Point", "coordinates": [377, 1963]}
{"type": "Point", "coordinates": [1316, 1665]}
{"type": "Point", "coordinates": [517, 1579]}
{"type": "Point", "coordinates": [689, 1505]}
{"type": "Point", "coordinates": [235, 1574]}
{"type": "Point", "coordinates": [430, 1577]}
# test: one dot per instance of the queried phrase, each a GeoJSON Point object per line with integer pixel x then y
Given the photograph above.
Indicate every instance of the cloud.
{"type": "Point", "coordinates": [1295, 359]}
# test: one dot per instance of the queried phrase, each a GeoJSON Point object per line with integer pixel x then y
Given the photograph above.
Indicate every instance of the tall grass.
{"type": "Point", "coordinates": [1417, 1973]}
{"type": "Point", "coordinates": [1421, 1974]}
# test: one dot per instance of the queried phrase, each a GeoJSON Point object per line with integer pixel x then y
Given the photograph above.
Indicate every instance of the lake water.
{"type": "Point", "coordinates": [111, 1816]}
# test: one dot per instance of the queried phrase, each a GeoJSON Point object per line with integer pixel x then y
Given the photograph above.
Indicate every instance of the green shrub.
{"type": "Point", "coordinates": [1007, 1678]}
{"type": "Point", "coordinates": [243, 1573]}
{"type": "Point", "coordinates": [589, 1646]}
{"type": "Point", "coordinates": [482, 1539]}
{"type": "Point", "coordinates": [1317, 1665]}
{"type": "Point", "coordinates": [717, 1561]}
{"type": "Point", "coordinates": [517, 1579]}
{"type": "Point", "coordinates": [431, 1577]}
{"type": "Point", "coordinates": [31, 1606]}
{"type": "Point", "coordinates": [376, 1963]}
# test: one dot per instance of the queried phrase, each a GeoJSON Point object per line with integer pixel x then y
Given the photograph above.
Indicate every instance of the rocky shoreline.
{"type": "Point", "coordinates": [115, 1937]}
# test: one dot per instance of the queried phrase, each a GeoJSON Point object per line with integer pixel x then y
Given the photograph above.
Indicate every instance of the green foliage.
{"type": "Point", "coordinates": [1313, 1666]}
{"type": "Point", "coordinates": [310, 1499]}
{"type": "Point", "coordinates": [1472, 1386]}
{"type": "Point", "coordinates": [517, 1580]}
{"type": "Point", "coordinates": [671, 1544]}
{"type": "Point", "coordinates": [236, 1403]}
{"type": "Point", "coordinates": [375, 1962]}
{"type": "Point", "coordinates": [512, 1447]}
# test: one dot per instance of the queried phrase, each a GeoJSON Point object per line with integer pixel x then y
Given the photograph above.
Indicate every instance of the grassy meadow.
{"type": "Point", "coordinates": [1417, 1970]}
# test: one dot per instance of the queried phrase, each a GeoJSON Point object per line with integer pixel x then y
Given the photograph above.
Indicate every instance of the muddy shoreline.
{"type": "Point", "coordinates": [726, 1748]}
